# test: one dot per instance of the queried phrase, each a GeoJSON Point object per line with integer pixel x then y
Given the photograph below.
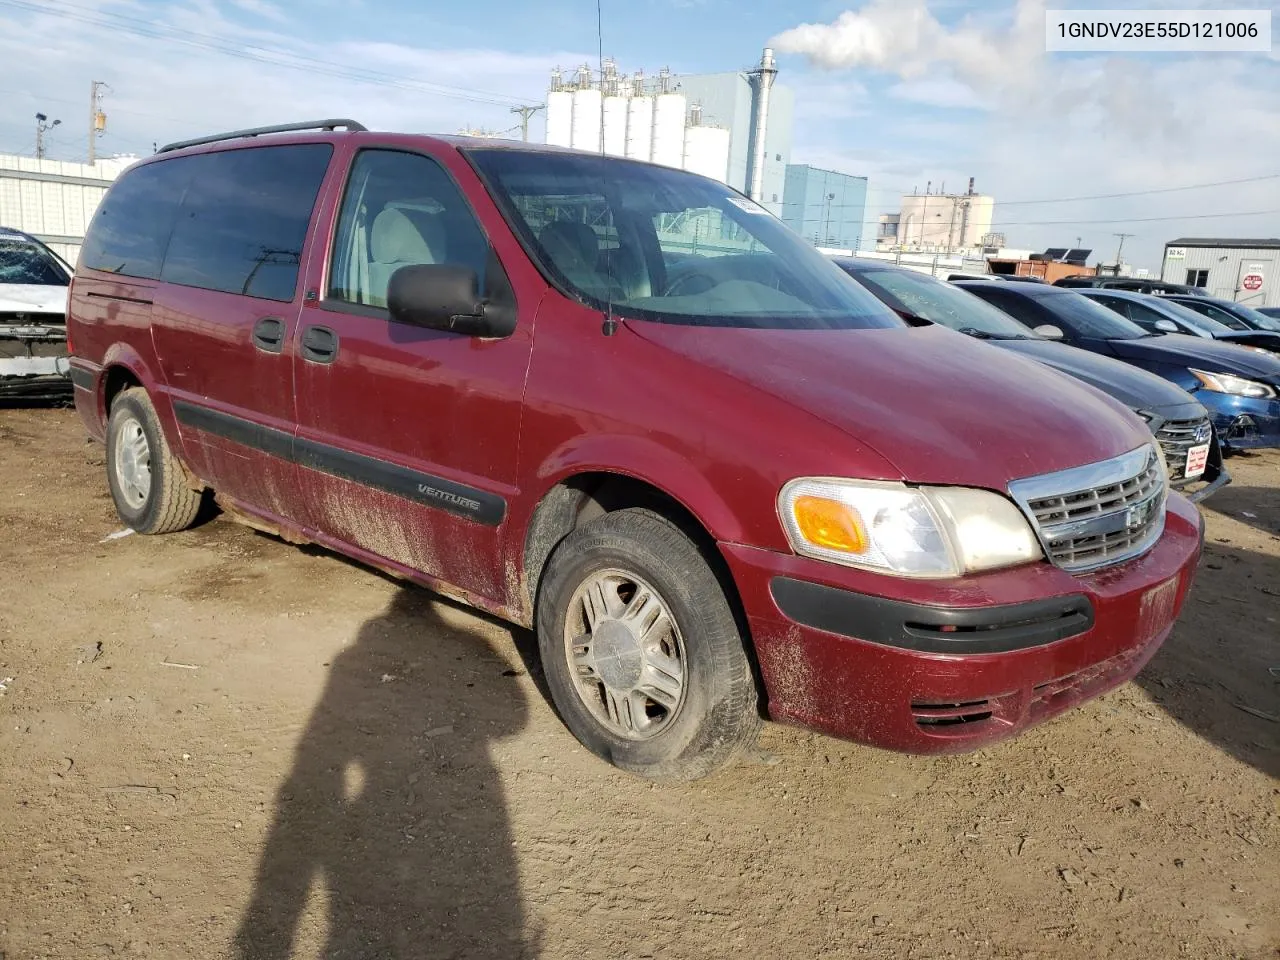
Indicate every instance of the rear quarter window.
{"type": "Point", "coordinates": [131, 228]}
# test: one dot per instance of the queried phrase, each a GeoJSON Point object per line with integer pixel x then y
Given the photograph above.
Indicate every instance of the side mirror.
{"type": "Point", "coordinates": [1166, 326]}
{"type": "Point", "coordinates": [443, 296]}
{"type": "Point", "coordinates": [1050, 332]}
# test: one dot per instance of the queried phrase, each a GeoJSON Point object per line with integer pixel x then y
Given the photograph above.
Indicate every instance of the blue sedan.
{"type": "Point", "coordinates": [1156, 314]}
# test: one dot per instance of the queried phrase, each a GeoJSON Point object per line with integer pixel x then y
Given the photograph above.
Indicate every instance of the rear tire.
{"type": "Point", "coordinates": [147, 483]}
{"type": "Point", "coordinates": [641, 649]}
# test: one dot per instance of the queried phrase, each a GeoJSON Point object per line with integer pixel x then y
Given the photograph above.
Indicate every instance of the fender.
{"type": "Point", "coordinates": [124, 355]}
{"type": "Point", "coordinates": [642, 458]}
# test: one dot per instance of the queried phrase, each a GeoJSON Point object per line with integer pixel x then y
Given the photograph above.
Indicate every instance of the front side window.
{"type": "Point", "coordinates": [653, 243]}
{"type": "Point", "coordinates": [1021, 309]}
{"type": "Point", "coordinates": [131, 227]}
{"type": "Point", "coordinates": [1145, 317]}
{"type": "Point", "coordinates": [400, 209]}
{"type": "Point", "coordinates": [22, 261]}
{"type": "Point", "coordinates": [241, 225]}
{"type": "Point", "coordinates": [1082, 317]}
{"type": "Point", "coordinates": [1196, 321]}
{"type": "Point", "coordinates": [1214, 312]}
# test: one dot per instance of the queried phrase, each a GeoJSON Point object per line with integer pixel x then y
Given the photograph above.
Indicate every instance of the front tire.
{"type": "Point", "coordinates": [147, 482]}
{"type": "Point", "coordinates": [642, 653]}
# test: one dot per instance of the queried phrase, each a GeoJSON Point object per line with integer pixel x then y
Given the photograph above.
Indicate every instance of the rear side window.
{"type": "Point", "coordinates": [241, 226]}
{"type": "Point", "coordinates": [131, 229]}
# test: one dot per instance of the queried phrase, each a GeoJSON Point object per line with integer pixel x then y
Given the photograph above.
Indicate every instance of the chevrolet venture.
{"type": "Point", "coordinates": [627, 407]}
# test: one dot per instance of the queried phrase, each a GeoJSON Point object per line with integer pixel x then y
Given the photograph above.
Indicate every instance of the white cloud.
{"type": "Point", "coordinates": [979, 96]}
{"type": "Point", "coordinates": [208, 74]}
{"type": "Point", "coordinates": [262, 8]}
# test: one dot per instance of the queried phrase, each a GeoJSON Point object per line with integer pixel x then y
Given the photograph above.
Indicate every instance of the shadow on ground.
{"type": "Point", "coordinates": [392, 822]}
{"type": "Point", "coordinates": [1219, 674]}
{"type": "Point", "coordinates": [1258, 507]}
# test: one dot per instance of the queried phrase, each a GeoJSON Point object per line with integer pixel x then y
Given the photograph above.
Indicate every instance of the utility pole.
{"type": "Point", "coordinates": [1120, 249]}
{"type": "Point", "coordinates": [525, 113]}
{"type": "Point", "coordinates": [97, 119]}
{"type": "Point", "coordinates": [43, 124]}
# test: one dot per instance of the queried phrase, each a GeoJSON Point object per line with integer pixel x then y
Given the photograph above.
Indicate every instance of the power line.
{"type": "Point", "coordinates": [1144, 193]}
{"type": "Point", "coordinates": [280, 58]}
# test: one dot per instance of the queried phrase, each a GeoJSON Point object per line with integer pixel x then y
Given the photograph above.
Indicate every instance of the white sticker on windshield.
{"type": "Point", "coordinates": [747, 206]}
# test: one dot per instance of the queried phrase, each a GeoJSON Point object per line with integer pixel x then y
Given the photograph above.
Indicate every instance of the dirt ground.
{"type": "Point", "coordinates": [215, 744]}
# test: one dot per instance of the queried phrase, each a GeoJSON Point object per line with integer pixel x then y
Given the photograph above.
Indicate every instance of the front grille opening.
{"type": "Point", "coordinates": [1175, 438]}
{"type": "Point", "coordinates": [1085, 528]}
{"type": "Point", "coordinates": [952, 714]}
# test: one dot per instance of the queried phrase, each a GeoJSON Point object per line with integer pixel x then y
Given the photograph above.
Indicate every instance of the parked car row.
{"type": "Point", "coordinates": [1179, 423]}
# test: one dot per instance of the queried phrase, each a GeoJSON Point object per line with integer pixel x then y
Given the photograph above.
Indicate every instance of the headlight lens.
{"type": "Point", "coordinates": [1236, 386]}
{"type": "Point", "coordinates": [909, 531]}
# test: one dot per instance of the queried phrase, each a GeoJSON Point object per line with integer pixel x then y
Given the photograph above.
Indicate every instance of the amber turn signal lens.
{"type": "Point", "coordinates": [830, 524]}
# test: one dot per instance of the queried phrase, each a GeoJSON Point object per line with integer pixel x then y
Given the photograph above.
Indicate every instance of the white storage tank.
{"type": "Point", "coordinates": [560, 118]}
{"type": "Point", "coordinates": [706, 152]}
{"type": "Point", "coordinates": [586, 120]}
{"type": "Point", "coordinates": [640, 128]}
{"type": "Point", "coordinates": [668, 129]}
{"type": "Point", "coordinates": [615, 126]}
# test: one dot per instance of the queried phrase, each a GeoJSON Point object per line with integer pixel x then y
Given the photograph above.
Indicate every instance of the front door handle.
{"type": "Point", "coordinates": [319, 345]}
{"type": "Point", "coordinates": [268, 335]}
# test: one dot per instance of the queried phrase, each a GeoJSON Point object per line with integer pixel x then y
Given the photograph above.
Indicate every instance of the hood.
{"type": "Point", "coordinates": [1132, 386]}
{"type": "Point", "coordinates": [1253, 338]}
{"type": "Point", "coordinates": [38, 298]}
{"type": "Point", "coordinates": [1215, 356]}
{"type": "Point", "coordinates": [940, 407]}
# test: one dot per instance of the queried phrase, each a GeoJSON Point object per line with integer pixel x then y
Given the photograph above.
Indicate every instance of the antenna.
{"type": "Point", "coordinates": [600, 62]}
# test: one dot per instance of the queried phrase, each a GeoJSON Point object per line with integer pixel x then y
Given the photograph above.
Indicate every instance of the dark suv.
{"type": "Point", "coordinates": [627, 407]}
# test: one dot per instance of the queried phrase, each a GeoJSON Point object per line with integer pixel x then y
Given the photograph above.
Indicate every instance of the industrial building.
{"type": "Point", "coordinates": [825, 207]}
{"type": "Point", "coordinates": [735, 127]}
{"type": "Point", "coordinates": [52, 200]}
{"type": "Point", "coordinates": [1238, 269]}
{"type": "Point", "coordinates": [938, 222]}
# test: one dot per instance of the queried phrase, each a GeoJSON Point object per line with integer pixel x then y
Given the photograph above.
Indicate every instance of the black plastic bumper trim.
{"type": "Point", "coordinates": [478, 505]}
{"type": "Point", "coordinates": [82, 378]}
{"type": "Point", "coordinates": [929, 629]}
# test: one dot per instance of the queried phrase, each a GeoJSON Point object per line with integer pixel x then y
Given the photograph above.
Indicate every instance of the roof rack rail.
{"type": "Point", "coordinates": [258, 131]}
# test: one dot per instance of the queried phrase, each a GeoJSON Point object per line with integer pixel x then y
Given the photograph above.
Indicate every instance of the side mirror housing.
{"type": "Point", "coordinates": [1166, 326]}
{"type": "Point", "coordinates": [1050, 332]}
{"type": "Point", "coordinates": [442, 296]}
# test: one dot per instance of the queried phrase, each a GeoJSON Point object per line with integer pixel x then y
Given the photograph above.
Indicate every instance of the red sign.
{"type": "Point", "coordinates": [1252, 281]}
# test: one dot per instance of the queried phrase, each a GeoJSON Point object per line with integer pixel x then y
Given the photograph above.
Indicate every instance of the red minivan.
{"type": "Point", "coordinates": [624, 406]}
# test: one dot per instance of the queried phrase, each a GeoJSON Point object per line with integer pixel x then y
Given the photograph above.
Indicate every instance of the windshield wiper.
{"type": "Point", "coordinates": [987, 335]}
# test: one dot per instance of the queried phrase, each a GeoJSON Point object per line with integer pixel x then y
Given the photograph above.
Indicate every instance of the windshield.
{"type": "Point", "coordinates": [1085, 318]}
{"type": "Point", "coordinates": [24, 262]}
{"type": "Point", "coordinates": [1256, 318]}
{"type": "Point", "coordinates": [939, 302]}
{"type": "Point", "coordinates": [659, 244]}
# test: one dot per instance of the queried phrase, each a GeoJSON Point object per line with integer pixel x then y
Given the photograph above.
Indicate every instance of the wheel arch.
{"type": "Point", "coordinates": [578, 498]}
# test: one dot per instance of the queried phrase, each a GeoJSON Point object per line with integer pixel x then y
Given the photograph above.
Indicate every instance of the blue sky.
{"type": "Point", "coordinates": [957, 89]}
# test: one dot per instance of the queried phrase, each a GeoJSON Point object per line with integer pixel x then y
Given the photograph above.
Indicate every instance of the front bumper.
{"type": "Point", "coordinates": [34, 362]}
{"type": "Point", "coordinates": [1243, 423]}
{"type": "Point", "coordinates": [948, 666]}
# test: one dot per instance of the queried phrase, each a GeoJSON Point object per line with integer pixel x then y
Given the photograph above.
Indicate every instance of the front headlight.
{"type": "Point", "coordinates": [910, 531]}
{"type": "Point", "coordinates": [1236, 386]}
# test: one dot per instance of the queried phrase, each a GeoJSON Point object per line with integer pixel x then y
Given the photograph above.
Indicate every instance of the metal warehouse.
{"type": "Point", "coordinates": [1232, 268]}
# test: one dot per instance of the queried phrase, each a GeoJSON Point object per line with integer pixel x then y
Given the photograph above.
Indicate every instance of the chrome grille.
{"type": "Point", "coordinates": [1099, 514]}
{"type": "Point", "coordinates": [1176, 437]}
